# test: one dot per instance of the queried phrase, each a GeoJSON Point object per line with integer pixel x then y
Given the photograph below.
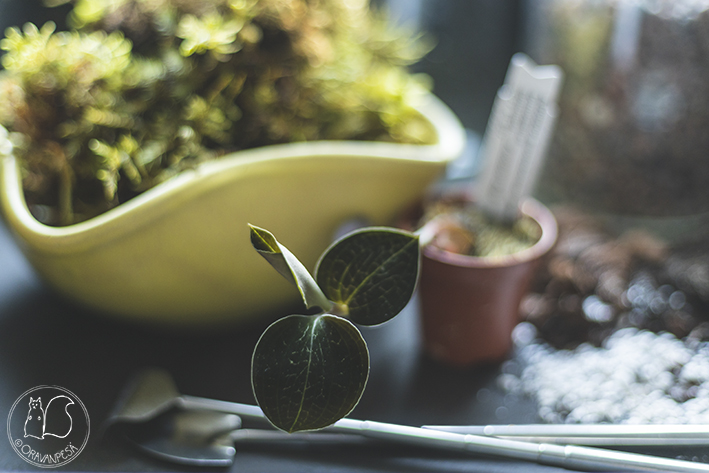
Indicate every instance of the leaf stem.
{"type": "Point", "coordinates": [340, 310]}
{"type": "Point", "coordinates": [66, 181]}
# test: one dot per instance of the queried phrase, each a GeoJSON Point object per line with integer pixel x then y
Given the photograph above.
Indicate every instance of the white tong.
{"type": "Point", "coordinates": [574, 457]}
{"type": "Point", "coordinates": [591, 434]}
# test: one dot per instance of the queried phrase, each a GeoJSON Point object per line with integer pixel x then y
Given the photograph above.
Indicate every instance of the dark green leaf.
{"type": "Point", "coordinates": [289, 266]}
{"type": "Point", "coordinates": [309, 371]}
{"type": "Point", "coordinates": [371, 274]}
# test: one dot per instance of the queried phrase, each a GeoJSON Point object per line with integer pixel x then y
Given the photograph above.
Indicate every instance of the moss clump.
{"type": "Point", "coordinates": [140, 90]}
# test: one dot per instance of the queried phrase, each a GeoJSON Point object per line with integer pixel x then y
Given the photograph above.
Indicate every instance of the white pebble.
{"type": "Point", "coordinates": [636, 377]}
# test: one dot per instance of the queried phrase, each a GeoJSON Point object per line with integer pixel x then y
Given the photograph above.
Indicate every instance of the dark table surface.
{"type": "Point", "coordinates": [47, 340]}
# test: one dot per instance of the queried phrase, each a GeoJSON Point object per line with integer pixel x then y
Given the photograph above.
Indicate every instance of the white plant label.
{"type": "Point", "coordinates": [517, 135]}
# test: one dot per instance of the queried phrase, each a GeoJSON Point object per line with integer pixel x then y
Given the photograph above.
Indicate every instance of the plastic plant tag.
{"type": "Point", "coordinates": [514, 145]}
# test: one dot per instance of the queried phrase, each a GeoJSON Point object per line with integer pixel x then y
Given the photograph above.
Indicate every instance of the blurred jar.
{"type": "Point", "coordinates": [632, 140]}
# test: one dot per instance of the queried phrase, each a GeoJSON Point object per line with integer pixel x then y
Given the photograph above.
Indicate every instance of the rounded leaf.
{"type": "Point", "coordinates": [371, 273]}
{"type": "Point", "coordinates": [309, 372]}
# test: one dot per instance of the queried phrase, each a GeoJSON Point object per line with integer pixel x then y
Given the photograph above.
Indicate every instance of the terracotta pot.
{"type": "Point", "coordinates": [469, 304]}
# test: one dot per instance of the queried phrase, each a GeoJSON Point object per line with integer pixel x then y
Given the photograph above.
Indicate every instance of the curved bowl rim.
{"type": "Point", "coordinates": [117, 221]}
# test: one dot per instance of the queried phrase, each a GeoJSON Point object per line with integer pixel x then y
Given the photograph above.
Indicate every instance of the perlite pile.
{"type": "Point", "coordinates": [617, 330]}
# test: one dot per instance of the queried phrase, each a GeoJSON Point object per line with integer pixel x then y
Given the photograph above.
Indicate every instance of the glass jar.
{"type": "Point", "coordinates": [632, 139]}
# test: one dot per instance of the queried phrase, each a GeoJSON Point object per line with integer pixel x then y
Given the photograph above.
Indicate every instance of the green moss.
{"type": "Point", "coordinates": [465, 229]}
{"type": "Point", "coordinates": [143, 89]}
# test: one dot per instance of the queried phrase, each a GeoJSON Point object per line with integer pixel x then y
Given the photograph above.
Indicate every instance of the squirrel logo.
{"type": "Point", "coordinates": [53, 420]}
{"type": "Point", "coordinates": [48, 434]}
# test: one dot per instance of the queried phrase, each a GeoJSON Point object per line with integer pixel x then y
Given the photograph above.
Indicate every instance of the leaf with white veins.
{"type": "Point", "coordinates": [370, 274]}
{"type": "Point", "coordinates": [308, 372]}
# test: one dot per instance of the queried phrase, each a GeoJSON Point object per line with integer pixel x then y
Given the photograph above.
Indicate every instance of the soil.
{"type": "Point", "coordinates": [464, 229]}
{"type": "Point", "coordinates": [595, 283]}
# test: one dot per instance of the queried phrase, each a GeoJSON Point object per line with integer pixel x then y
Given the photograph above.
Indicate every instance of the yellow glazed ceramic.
{"type": "Point", "coordinates": [180, 253]}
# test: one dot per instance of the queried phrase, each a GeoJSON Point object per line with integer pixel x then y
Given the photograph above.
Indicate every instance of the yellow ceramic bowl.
{"type": "Point", "coordinates": [180, 253]}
